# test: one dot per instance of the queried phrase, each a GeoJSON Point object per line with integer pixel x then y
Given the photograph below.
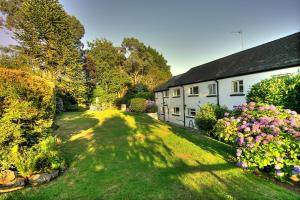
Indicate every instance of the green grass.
{"type": "Point", "coordinates": [114, 155]}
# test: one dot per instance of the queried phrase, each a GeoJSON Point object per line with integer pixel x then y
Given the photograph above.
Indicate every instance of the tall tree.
{"type": "Point", "coordinates": [136, 57]}
{"type": "Point", "coordinates": [104, 70]}
{"type": "Point", "coordinates": [144, 64]}
{"type": "Point", "coordinates": [50, 38]}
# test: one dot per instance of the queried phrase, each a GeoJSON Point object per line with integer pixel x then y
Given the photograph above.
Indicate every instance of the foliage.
{"type": "Point", "coordinates": [267, 138]}
{"type": "Point", "coordinates": [279, 91]}
{"type": "Point", "coordinates": [27, 110]}
{"type": "Point", "coordinates": [104, 71]}
{"type": "Point", "coordinates": [151, 107]}
{"type": "Point", "coordinates": [145, 95]}
{"type": "Point", "coordinates": [144, 64]}
{"type": "Point", "coordinates": [49, 39]}
{"type": "Point", "coordinates": [207, 116]}
{"type": "Point", "coordinates": [138, 105]}
{"type": "Point", "coordinates": [225, 130]}
{"type": "Point", "coordinates": [123, 73]}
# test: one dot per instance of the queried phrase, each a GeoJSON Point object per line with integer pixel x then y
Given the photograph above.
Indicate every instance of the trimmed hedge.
{"type": "Point", "coordinates": [138, 105]}
{"type": "Point", "coordinates": [27, 109]}
{"type": "Point", "coordinates": [278, 91]}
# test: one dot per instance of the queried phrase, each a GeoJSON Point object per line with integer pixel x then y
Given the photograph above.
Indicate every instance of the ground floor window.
{"type": "Point", "coordinates": [191, 112]}
{"type": "Point", "coordinates": [176, 111]}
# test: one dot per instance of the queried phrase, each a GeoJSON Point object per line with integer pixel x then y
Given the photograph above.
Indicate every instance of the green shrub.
{"type": "Point", "coordinates": [207, 116]}
{"type": "Point", "coordinates": [226, 130]}
{"type": "Point", "coordinates": [278, 91]}
{"type": "Point", "coordinates": [138, 105]}
{"type": "Point", "coordinates": [145, 95]}
{"type": "Point", "coordinates": [27, 111]}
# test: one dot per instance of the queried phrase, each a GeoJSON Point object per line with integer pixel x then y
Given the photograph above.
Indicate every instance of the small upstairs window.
{"type": "Point", "coordinates": [166, 93]}
{"type": "Point", "coordinates": [176, 93]}
{"type": "Point", "coordinates": [237, 86]}
{"type": "Point", "coordinates": [194, 90]}
{"type": "Point", "coordinates": [212, 89]}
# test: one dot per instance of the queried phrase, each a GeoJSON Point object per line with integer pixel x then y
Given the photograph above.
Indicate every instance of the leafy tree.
{"type": "Point", "coordinates": [144, 64]}
{"type": "Point", "coordinates": [136, 59]}
{"type": "Point", "coordinates": [104, 69]}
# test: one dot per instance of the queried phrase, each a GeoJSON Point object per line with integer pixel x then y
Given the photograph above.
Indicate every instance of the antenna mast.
{"type": "Point", "coordinates": [240, 32]}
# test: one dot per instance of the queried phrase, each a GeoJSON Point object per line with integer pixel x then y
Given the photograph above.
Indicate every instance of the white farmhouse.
{"type": "Point", "coordinates": [227, 80]}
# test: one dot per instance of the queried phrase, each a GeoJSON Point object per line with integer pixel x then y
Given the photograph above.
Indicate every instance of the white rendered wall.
{"type": "Point", "coordinates": [225, 89]}
{"type": "Point", "coordinates": [196, 101]}
{"type": "Point", "coordinates": [176, 102]}
{"type": "Point", "coordinates": [225, 85]}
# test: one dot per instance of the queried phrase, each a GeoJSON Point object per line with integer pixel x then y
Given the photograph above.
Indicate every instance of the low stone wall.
{"type": "Point", "coordinates": [11, 181]}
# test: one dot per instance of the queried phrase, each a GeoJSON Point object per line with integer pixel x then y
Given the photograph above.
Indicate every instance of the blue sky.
{"type": "Point", "coordinates": [187, 32]}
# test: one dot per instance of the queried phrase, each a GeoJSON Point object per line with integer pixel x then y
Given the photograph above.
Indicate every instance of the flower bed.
{"type": "Point", "coordinates": [267, 138]}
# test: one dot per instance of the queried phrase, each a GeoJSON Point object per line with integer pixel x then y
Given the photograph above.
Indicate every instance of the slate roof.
{"type": "Point", "coordinates": [277, 54]}
{"type": "Point", "coordinates": [169, 83]}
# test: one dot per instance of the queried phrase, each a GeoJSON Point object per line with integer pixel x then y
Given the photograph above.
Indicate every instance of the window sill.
{"type": "Point", "coordinates": [165, 97]}
{"type": "Point", "coordinates": [193, 95]}
{"type": "Point", "coordinates": [190, 116]}
{"type": "Point", "coordinates": [177, 115]}
{"type": "Point", "coordinates": [176, 97]}
{"type": "Point", "coordinates": [212, 95]}
{"type": "Point", "coordinates": [237, 94]}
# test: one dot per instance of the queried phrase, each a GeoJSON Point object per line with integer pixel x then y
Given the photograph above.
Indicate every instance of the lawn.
{"type": "Point", "coordinates": [115, 155]}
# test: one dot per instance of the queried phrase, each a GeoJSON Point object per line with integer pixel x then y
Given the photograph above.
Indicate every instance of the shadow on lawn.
{"type": "Point", "coordinates": [122, 157]}
{"type": "Point", "coordinates": [131, 161]}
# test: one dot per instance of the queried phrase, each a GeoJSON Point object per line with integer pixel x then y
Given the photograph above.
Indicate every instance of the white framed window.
{"type": "Point", "coordinates": [194, 90]}
{"type": "Point", "coordinates": [212, 89]}
{"type": "Point", "coordinates": [191, 112]}
{"type": "Point", "coordinates": [166, 93]}
{"type": "Point", "coordinates": [238, 86]}
{"type": "Point", "coordinates": [176, 111]}
{"type": "Point", "coordinates": [176, 93]}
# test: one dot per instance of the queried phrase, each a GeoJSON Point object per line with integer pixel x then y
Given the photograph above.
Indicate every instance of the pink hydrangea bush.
{"type": "Point", "coordinates": [151, 107]}
{"type": "Point", "coordinates": [267, 138]}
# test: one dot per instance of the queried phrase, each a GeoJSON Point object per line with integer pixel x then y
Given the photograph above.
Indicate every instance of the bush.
{"type": "Point", "coordinates": [226, 130]}
{"type": "Point", "coordinates": [267, 138]}
{"type": "Point", "coordinates": [278, 91]}
{"type": "Point", "coordinates": [27, 109]}
{"type": "Point", "coordinates": [138, 105]}
{"type": "Point", "coordinates": [145, 95]}
{"type": "Point", "coordinates": [207, 116]}
{"type": "Point", "coordinates": [151, 107]}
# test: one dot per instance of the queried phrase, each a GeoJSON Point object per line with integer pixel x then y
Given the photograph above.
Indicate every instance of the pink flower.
{"type": "Point", "coordinates": [252, 104]}
{"type": "Point", "coordinates": [226, 114]}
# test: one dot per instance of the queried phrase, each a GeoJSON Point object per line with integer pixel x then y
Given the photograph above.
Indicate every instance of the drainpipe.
{"type": "Point", "coordinates": [163, 106]}
{"type": "Point", "coordinates": [218, 100]}
{"type": "Point", "coordinates": [183, 101]}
